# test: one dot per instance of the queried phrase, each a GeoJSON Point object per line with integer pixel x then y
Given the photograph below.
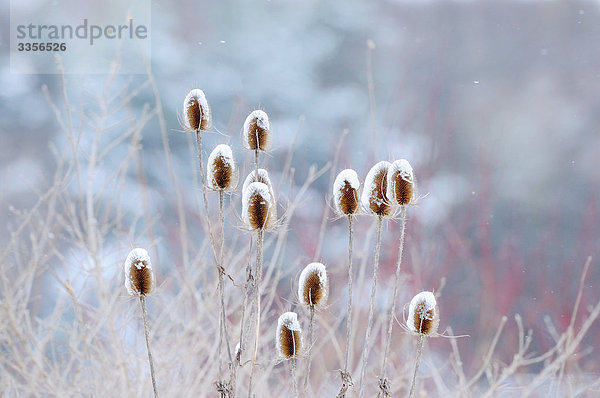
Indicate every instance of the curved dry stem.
{"type": "Point", "coordinates": [371, 308]}
{"type": "Point", "coordinates": [147, 334]}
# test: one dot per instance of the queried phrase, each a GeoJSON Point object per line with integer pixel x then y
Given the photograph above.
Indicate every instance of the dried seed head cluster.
{"type": "Point", "coordinates": [313, 286]}
{"type": "Point", "coordinates": [256, 206]}
{"type": "Point", "coordinates": [288, 336]}
{"type": "Point", "coordinates": [196, 112]}
{"type": "Point", "coordinates": [423, 317]}
{"type": "Point", "coordinates": [222, 172]}
{"type": "Point", "coordinates": [263, 176]}
{"type": "Point", "coordinates": [401, 186]}
{"type": "Point", "coordinates": [139, 279]}
{"type": "Point", "coordinates": [374, 198]}
{"type": "Point", "coordinates": [257, 131]}
{"type": "Point", "coordinates": [345, 192]}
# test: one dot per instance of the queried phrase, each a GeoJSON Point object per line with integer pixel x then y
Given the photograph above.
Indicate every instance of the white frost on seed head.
{"type": "Point", "coordinates": [347, 175]}
{"type": "Point", "coordinates": [139, 258]}
{"type": "Point", "coordinates": [321, 272]}
{"type": "Point", "coordinates": [255, 188]}
{"type": "Point", "coordinates": [406, 173]}
{"type": "Point", "coordinates": [262, 121]}
{"type": "Point", "coordinates": [427, 298]}
{"type": "Point", "coordinates": [370, 184]}
{"type": "Point", "coordinates": [223, 151]}
{"type": "Point", "coordinates": [264, 176]}
{"type": "Point", "coordinates": [290, 321]}
{"type": "Point", "coordinates": [202, 102]}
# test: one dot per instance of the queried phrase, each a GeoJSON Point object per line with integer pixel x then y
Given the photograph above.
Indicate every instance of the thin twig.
{"type": "Point", "coordinates": [147, 334]}
{"type": "Point", "coordinates": [420, 342]}
{"type": "Point", "coordinates": [345, 375]}
{"type": "Point", "coordinates": [310, 346]}
{"type": "Point", "coordinates": [257, 278]}
{"type": "Point", "coordinates": [371, 307]}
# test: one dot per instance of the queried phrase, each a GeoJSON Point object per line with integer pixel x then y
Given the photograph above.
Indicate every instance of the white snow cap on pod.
{"type": "Point", "coordinates": [401, 187]}
{"type": "Point", "coordinates": [256, 206]}
{"type": "Point", "coordinates": [263, 176]}
{"type": "Point", "coordinates": [313, 285]}
{"type": "Point", "coordinates": [423, 317]}
{"type": "Point", "coordinates": [196, 112]}
{"type": "Point", "coordinates": [222, 172]}
{"type": "Point", "coordinates": [288, 335]}
{"type": "Point", "coordinates": [374, 198]}
{"type": "Point", "coordinates": [139, 278]}
{"type": "Point", "coordinates": [345, 192]}
{"type": "Point", "coordinates": [257, 131]}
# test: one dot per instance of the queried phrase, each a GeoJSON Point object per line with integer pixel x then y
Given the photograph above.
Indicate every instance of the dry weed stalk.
{"type": "Point", "coordinates": [139, 281]}
{"type": "Point", "coordinates": [374, 201]}
{"type": "Point", "coordinates": [288, 339]}
{"type": "Point", "coordinates": [346, 202]}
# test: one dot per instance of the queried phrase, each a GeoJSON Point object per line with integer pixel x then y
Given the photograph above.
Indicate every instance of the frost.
{"type": "Point", "coordinates": [426, 298]}
{"type": "Point", "coordinates": [311, 268]}
{"type": "Point", "coordinates": [202, 102]}
{"type": "Point", "coordinates": [347, 175]}
{"type": "Point", "coordinates": [139, 258]}
{"type": "Point", "coordinates": [290, 321]}
{"type": "Point", "coordinates": [406, 173]}
{"type": "Point", "coordinates": [262, 121]}
{"type": "Point", "coordinates": [223, 151]}
{"type": "Point", "coordinates": [371, 185]}
{"type": "Point", "coordinates": [255, 188]}
{"type": "Point", "coordinates": [263, 177]}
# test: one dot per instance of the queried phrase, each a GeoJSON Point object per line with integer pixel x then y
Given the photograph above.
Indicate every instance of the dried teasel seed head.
{"type": "Point", "coordinates": [222, 172]}
{"type": "Point", "coordinates": [257, 131]}
{"type": "Point", "coordinates": [196, 112]}
{"type": "Point", "coordinates": [288, 336]}
{"type": "Point", "coordinates": [139, 278]}
{"type": "Point", "coordinates": [263, 176]}
{"type": "Point", "coordinates": [345, 192]}
{"type": "Point", "coordinates": [401, 184]}
{"type": "Point", "coordinates": [423, 317]}
{"type": "Point", "coordinates": [313, 285]}
{"type": "Point", "coordinates": [374, 198]}
{"type": "Point", "coordinates": [256, 206]}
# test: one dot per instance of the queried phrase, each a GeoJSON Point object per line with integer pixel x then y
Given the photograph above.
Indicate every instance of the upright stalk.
{"type": "Point", "coordinates": [420, 342]}
{"type": "Point", "coordinates": [346, 378]}
{"type": "Point", "coordinates": [293, 372]}
{"type": "Point", "coordinates": [394, 296]}
{"type": "Point", "coordinates": [223, 322]}
{"type": "Point", "coordinates": [147, 334]}
{"type": "Point", "coordinates": [257, 278]}
{"type": "Point", "coordinates": [371, 307]}
{"type": "Point", "coordinates": [310, 345]}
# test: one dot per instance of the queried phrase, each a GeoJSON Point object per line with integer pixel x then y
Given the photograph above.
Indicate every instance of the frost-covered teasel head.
{"type": "Point", "coordinates": [257, 131]}
{"type": "Point", "coordinates": [139, 278]}
{"type": "Point", "coordinates": [256, 206]}
{"type": "Point", "coordinates": [345, 192]}
{"type": "Point", "coordinates": [263, 176]}
{"type": "Point", "coordinates": [374, 198]}
{"type": "Point", "coordinates": [222, 172]}
{"type": "Point", "coordinates": [401, 184]}
{"type": "Point", "coordinates": [423, 317]}
{"type": "Point", "coordinates": [196, 112]}
{"type": "Point", "coordinates": [313, 286]}
{"type": "Point", "coordinates": [288, 336]}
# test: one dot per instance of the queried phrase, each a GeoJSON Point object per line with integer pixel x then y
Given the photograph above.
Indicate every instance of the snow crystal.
{"type": "Point", "coordinates": [370, 184]}
{"type": "Point", "coordinates": [202, 102]}
{"type": "Point", "coordinates": [347, 175]}
{"type": "Point", "coordinates": [307, 271]}
{"type": "Point", "coordinates": [426, 298]}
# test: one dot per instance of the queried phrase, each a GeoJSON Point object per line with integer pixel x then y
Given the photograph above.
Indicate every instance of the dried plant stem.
{"type": "Point", "coordinates": [257, 278]}
{"type": "Point", "coordinates": [293, 374]}
{"type": "Point", "coordinates": [394, 296]}
{"type": "Point", "coordinates": [420, 342]}
{"type": "Point", "coordinates": [371, 307]}
{"type": "Point", "coordinates": [345, 375]}
{"type": "Point", "coordinates": [256, 162]}
{"type": "Point", "coordinates": [223, 321]}
{"type": "Point", "coordinates": [147, 334]}
{"type": "Point", "coordinates": [310, 345]}
{"type": "Point", "coordinates": [203, 185]}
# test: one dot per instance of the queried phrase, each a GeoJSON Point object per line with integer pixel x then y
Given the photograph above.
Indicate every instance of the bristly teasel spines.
{"type": "Point", "coordinates": [288, 336]}
{"type": "Point", "coordinates": [256, 206]}
{"type": "Point", "coordinates": [257, 131]}
{"type": "Point", "coordinates": [313, 286]}
{"type": "Point", "coordinates": [423, 314]}
{"type": "Point", "coordinates": [196, 111]}
{"type": "Point", "coordinates": [139, 278]}
{"type": "Point", "coordinates": [222, 170]}
{"type": "Point", "coordinates": [374, 198]}
{"type": "Point", "coordinates": [401, 183]}
{"type": "Point", "coordinates": [346, 192]}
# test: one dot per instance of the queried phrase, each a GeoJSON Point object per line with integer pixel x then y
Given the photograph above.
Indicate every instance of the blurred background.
{"type": "Point", "coordinates": [495, 103]}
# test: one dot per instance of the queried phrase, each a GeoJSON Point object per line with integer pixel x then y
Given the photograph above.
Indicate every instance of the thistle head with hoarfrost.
{"type": "Point", "coordinates": [374, 199]}
{"type": "Point", "coordinates": [288, 336]}
{"type": "Point", "coordinates": [196, 112]}
{"type": "Point", "coordinates": [346, 193]}
{"type": "Point", "coordinates": [423, 314]}
{"type": "Point", "coordinates": [139, 278]}
{"type": "Point", "coordinates": [257, 131]}
{"type": "Point", "coordinates": [401, 183]}
{"type": "Point", "coordinates": [313, 286]}
{"type": "Point", "coordinates": [222, 170]}
{"type": "Point", "coordinates": [254, 210]}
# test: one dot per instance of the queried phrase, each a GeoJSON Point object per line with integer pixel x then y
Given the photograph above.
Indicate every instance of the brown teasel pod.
{"type": "Point", "coordinates": [222, 171]}
{"type": "Point", "coordinates": [401, 184]}
{"type": "Point", "coordinates": [263, 176]}
{"type": "Point", "coordinates": [313, 286]}
{"type": "Point", "coordinates": [139, 278]}
{"type": "Point", "coordinates": [345, 192]}
{"type": "Point", "coordinates": [288, 336]}
{"type": "Point", "coordinates": [196, 112]}
{"type": "Point", "coordinates": [256, 206]}
{"type": "Point", "coordinates": [374, 198]}
{"type": "Point", "coordinates": [423, 317]}
{"type": "Point", "coordinates": [257, 131]}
